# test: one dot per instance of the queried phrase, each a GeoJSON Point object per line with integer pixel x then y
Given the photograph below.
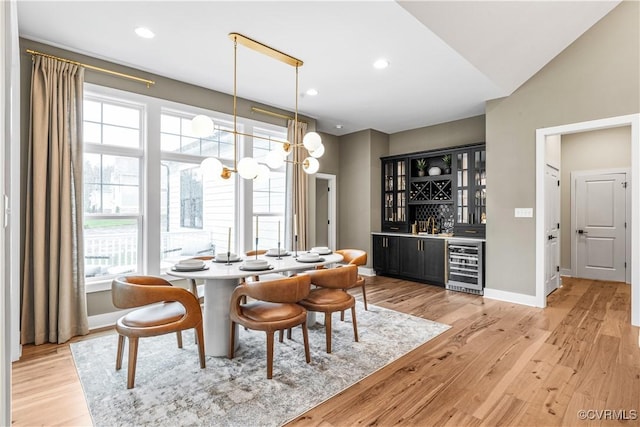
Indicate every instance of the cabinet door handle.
{"type": "Point", "coordinates": [394, 228]}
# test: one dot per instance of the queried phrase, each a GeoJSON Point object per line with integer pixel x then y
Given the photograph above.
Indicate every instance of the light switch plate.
{"type": "Point", "coordinates": [524, 212]}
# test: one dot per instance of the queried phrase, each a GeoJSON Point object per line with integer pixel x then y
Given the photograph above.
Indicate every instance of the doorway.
{"type": "Point", "coordinates": [325, 190]}
{"type": "Point", "coordinates": [632, 120]}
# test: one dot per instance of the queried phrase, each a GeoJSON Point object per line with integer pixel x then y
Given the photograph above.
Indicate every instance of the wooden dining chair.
{"type": "Point", "coordinates": [273, 307]}
{"type": "Point", "coordinates": [356, 257]}
{"type": "Point", "coordinates": [165, 309]}
{"type": "Point", "coordinates": [330, 295]}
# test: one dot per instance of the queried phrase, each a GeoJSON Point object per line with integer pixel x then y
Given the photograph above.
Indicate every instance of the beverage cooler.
{"type": "Point", "coordinates": [466, 266]}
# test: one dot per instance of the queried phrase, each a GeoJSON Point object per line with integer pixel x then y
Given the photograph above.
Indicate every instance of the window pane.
{"type": "Point", "coordinates": [112, 124]}
{"type": "Point", "coordinates": [191, 198]}
{"type": "Point", "coordinates": [170, 124]}
{"type": "Point", "coordinates": [92, 132]}
{"type": "Point", "coordinates": [177, 137]}
{"type": "Point", "coordinates": [170, 142]}
{"type": "Point", "coordinates": [195, 214]}
{"type": "Point", "coordinates": [92, 111]}
{"type": "Point", "coordinates": [122, 137]}
{"type": "Point", "coordinates": [121, 116]}
{"type": "Point", "coordinates": [111, 184]}
{"type": "Point", "coordinates": [191, 146]}
{"type": "Point", "coordinates": [110, 247]}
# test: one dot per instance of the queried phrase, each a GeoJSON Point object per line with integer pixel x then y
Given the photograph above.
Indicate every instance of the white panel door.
{"type": "Point", "coordinates": [552, 229]}
{"type": "Point", "coordinates": [600, 218]}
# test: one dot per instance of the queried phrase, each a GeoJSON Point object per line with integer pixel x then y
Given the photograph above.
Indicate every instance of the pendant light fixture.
{"type": "Point", "coordinates": [248, 167]}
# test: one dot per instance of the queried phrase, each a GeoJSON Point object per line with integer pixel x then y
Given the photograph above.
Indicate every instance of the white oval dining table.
{"type": "Point", "coordinates": [221, 279]}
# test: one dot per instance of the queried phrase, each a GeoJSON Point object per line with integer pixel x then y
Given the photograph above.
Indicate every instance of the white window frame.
{"type": "Point", "coordinates": [92, 93]}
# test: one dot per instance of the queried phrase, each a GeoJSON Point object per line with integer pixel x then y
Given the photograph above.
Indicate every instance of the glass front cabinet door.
{"type": "Point", "coordinates": [470, 194]}
{"type": "Point", "coordinates": [394, 209]}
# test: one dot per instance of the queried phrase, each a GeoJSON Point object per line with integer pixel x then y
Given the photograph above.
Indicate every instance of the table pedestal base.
{"type": "Point", "coordinates": [217, 325]}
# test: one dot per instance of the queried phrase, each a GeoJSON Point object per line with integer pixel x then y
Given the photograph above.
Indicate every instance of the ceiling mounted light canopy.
{"type": "Point", "coordinates": [247, 167]}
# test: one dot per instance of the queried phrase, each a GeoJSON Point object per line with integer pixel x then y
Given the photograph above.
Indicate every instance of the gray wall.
{"type": "Point", "coordinates": [595, 77]}
{"type": "Point", "coordinates": [330, 161]}
{"type": "Point", "coordinates": [444, 135]}
{"type": "Point", "coordinates": [600, 149]}
{"type": "Point", "coordinates": [359, 188]}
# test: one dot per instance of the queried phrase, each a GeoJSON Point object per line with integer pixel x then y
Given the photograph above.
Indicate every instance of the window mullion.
{"type": "Point", "coordinates": [152, 191]}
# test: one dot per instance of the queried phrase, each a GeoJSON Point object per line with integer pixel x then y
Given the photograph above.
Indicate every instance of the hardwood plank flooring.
{"type": "Point", "coordinates": [499, 364]}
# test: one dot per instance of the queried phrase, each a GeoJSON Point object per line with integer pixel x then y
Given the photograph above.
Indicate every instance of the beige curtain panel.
{"type": "Point", "coordinates": [53, 291]}
{"type": "Point", "coordinates": [300, 179]}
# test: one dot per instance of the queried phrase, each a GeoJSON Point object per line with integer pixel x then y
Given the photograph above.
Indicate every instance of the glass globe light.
{"type": "Point", "coordinates": [310, 165]}
{"type": "Point", "coordinates": [275, 159]}
{"type": "Point", "coordinates": [318, 152]}
{"type": "Point", "coordinates": [248, 168]}
{"type": "Point", "coordinates": [285, 149]}
{"type": "Point", "coordinates": [311, 141]}
{"type": "Point", "coordinates": [211, 169]}
{"type": "Point", "coordinates": [263, 173]}
{"type": "Point", "coordinates": [201, 126]}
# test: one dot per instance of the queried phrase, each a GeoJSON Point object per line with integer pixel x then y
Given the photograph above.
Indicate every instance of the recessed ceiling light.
{"type": "Point", "coordinates": [338, 126]}
{"type": "Point", "coordinates": [312, 92]}
{"type": "Point", "coordinates": [381, 64]}
{"type": "Point", "coordinates": [145, 33]}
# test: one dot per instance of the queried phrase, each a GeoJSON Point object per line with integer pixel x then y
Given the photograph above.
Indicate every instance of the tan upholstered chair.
{"type": "Point", "coordinates": [173, 309]}
{"type": "Point", "coordinates": [357, 257]}
{"type": "Point", "coordinates": [273, 308]}
{"type": "Point", "coordinates": [330, 295]}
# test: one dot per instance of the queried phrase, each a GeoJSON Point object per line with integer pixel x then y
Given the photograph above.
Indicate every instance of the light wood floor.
{"type": "Point", "coordinates": [500, 364]}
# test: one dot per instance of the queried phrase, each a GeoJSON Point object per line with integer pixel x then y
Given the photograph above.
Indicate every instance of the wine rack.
{"type": "Point", "coordinates": [431, 191]}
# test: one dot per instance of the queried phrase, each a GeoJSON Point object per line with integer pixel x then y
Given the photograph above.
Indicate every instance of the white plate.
{"type": "Point", "coordinates": [321, 251]}
{"type": "Point", "coordinates": [190, 264]}
{"type": "Point", "coordinates": [255, 267]}
{"type": "Point", "coordinates": [177, 268]}
{"type": "Point", "coordinates": [303, 259]}
{"type": "Point", "coordinates": [256, 263]}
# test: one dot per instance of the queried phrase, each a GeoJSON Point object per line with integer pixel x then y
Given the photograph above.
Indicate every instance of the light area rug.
{"type": "Point", "coordinates": [172, 390]}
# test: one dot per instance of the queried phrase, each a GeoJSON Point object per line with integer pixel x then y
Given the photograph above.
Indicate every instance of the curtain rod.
{"type": "Point", "coordinates": [274, 114]}
{"type": "Point", "coordinates": [91, 67]}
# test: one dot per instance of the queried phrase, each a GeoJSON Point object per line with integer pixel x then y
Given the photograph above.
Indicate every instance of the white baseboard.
{"type": "Point", "coordinates": [513, 297]}
{"type": "Point", "coordinates": [366, 271]}
{"type": "Point", "coordinates": [565, 272]}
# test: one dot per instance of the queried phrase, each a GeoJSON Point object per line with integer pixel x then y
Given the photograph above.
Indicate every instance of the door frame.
{"type": "Point", "coordinates": [627, 213]}
{"type": "Point", "coordinates": [632, 120]}
{"type": "Point", "coordinates": [333, 214]}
